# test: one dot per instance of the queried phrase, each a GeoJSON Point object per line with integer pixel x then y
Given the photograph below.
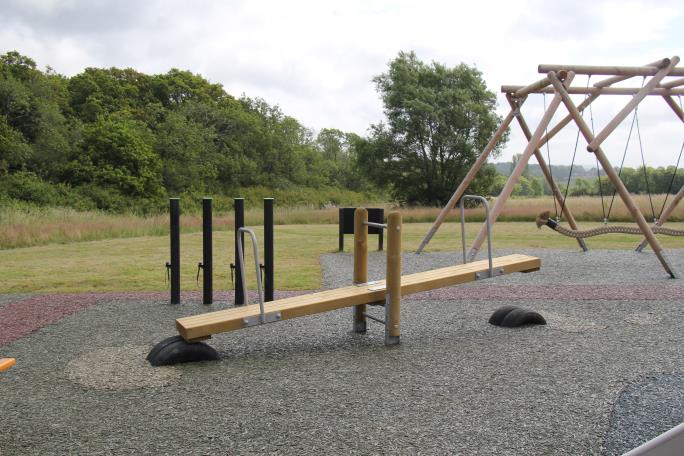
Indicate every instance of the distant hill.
{"type": "Point", "coordinates": [560, 172]}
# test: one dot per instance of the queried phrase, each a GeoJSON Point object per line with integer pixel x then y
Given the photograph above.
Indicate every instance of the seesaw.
{"type": "Point", "coordinates": [192, 330]}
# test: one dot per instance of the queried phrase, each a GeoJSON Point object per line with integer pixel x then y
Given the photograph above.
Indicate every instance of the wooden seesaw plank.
{"type": "Point", "coordinates": [202, 326]}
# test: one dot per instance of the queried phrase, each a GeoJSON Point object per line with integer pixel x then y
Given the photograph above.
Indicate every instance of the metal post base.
{"type": "Point", "coordinates": [360, 327]}
{"type": "Point", "coordinates": [392, 340]}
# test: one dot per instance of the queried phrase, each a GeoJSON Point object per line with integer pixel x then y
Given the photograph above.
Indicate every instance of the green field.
{"type": "Point", "coordinates": [137, 263]}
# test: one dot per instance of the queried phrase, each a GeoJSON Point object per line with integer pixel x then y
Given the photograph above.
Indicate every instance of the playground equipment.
{"type": "Point", "coordinates": [206, 265]}
{"type": "Point", "coordinates": [346, 224]}
{"type": "Point", "coordinates": [268, 266]}
{"type": "Point", "coordinates": [544, 219]}
{"type": "Point", "coordinates": [173, 266]}
{"type": "Point", "coordinates": [6, 363]}
{"type": "Point", "coordinates": [512, 317]}
{"type": "Point", "coordinates": [195, 329]}
{"type": "Point", "coordinates": [558, 82]}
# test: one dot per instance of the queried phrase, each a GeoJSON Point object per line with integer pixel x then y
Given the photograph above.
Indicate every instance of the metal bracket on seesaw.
{"type": "Point", "coordinates": [255, 320]}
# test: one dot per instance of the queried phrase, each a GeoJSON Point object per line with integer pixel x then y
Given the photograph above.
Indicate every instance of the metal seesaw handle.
{"type": "Point", "coordinates": [489, 228]}
{"type": "Point", "coordinates": [241, 259]}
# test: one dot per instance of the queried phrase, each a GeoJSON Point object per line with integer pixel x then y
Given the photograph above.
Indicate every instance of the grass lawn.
{"type": "Point", "coordinates": [137, 263]}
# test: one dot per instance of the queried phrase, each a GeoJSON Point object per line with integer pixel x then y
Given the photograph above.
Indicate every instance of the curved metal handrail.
{"type": "Point", "coordinates": [241, 259]}
{"type": "Point", "coordinates": [489, 228]}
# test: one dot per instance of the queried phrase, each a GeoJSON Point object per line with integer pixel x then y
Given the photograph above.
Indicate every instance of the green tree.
{"type": "Point", "coordinates": [117, 154]}
{"type": "Point", "coordinates": [438, 120]}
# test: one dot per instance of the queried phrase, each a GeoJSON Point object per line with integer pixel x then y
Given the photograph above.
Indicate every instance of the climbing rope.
{"type": "Point", "coordinates": [543, 219]}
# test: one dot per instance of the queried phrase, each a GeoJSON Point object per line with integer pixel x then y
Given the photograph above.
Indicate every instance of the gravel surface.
{"type": "Point", "coordinates": [648, 408]}
{"type": "Point", "coordinates": [455, 385]}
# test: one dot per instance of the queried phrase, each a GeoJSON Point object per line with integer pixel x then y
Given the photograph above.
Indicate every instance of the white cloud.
{"type": "Point", "coordinates": [316, 59]}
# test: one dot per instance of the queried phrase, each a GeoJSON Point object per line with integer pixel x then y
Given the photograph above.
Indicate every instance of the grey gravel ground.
{"type": "Point", "coordinates": [456, 385]}
{"type": "Point", "coordinates": [646, 408]}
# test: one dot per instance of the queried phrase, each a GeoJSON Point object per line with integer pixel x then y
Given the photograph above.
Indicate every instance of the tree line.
{"type": "Point", "coordinates": [117, 139]}
{"type": "Point", "coordinates": [120, 140]}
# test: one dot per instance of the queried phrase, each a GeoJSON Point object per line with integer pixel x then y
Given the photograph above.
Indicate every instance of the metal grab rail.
{"type": "Point", "coordinates": [241, 259]}
{"type": "Point", "coordinates": [376, 225]}
{"type": "Point", "coordinates": [482, 199]}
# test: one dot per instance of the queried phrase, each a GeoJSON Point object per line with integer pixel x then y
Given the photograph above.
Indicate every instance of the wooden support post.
{"type": "Point", "coordinates": [515, 175]}
{"type": "Point", "coordinates": [598, 91]}
{"type": "Point", "coordinates": [567, 119]}
{"type": "Point", "coordinates": [672, 84]}
{"type": "Point", "coordinates": [481, 160]}
{"type": "Point", "coordinates": [615, 79]}
{"type": "Point", "coordinates": [535, 86]}
{"type": "Point", "coordinates": [613, 176]}
{"type": "Point", "coordinates": [603, 84]}
{"type": "Point", "coordinates": [613, 70]}
{"type": "Point", "coordinates": [547, 173]}
{"type": "Point", "coordinates": [629, 107]}
{"type": "Point", "coordinates": [360, 264]}
{"type": "Point", "coordinates": [675, 107]}
{"type": "Point", "coordinates": [393, 280]}
{"type": "Point", "coordinates": [664, 215]}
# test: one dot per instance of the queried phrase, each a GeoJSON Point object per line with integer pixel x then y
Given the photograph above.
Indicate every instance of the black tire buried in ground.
{"type": "Point", "coordinates": [175, 350]}
{"type": "Point", "coordinates": [520, 317]}
{"type": "Point", "coordinates": [499, 314]}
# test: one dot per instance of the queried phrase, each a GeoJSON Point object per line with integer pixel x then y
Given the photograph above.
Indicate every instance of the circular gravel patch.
{"type": "Point", "coordinates": [119, 368]}
{"type": "Point", "coordinates": [570, 324]}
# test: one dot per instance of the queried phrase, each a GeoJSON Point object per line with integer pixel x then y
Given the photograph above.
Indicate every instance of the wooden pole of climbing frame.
{"type": "Point", "coordinates": [360, 264]}
{"type": "Point", "coordinates": [512, 89]}
{"type": "Point", "coordinates": [535, 86]}
{"type": "Point", "coordinates": [615, 79]}
{"type": "Point", "coordinates": [613, 176]}
{"type": "Point", "coordinates": [481, 160]}
{"type": "Point", "coordinates": [603, 84]}
{"type": "Point", "coordinates": [612, 70]}
{"type": "Point", "coordinates": [631, 105]}
{"type": "Point", "coordinates": [547, 172]}
{"type": "Point", "coordinates": [517, 172]}
{"type": "Point", "coordinates": [675, 107]}
{"type": "Point", "coordinates": [393, 280]}
{"type": "Point", "coordinates": [673, 83]}
{"type": "Point", "coordinates": [665, 214]}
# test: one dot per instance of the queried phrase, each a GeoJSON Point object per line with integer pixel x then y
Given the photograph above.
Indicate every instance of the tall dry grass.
{"type": "Point", "coordinates": [25, 227]}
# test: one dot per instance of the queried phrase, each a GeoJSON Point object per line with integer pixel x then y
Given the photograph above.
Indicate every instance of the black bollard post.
{"type": "Point", "coordinates": [207, 253]}
{"type": "Point", "coordinates": [268, 248]}
{"type": "Point", "coordinates": [174, 209]}
{"type": "Point", "coordinates": [239, 223]}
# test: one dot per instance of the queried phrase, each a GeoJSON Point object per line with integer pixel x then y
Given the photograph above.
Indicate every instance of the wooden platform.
{"type": "Point", "coordinates": [202, 326]}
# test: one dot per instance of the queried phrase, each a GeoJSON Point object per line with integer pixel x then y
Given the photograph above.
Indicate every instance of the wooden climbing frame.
{"type": "Point", "coordinates": [558, 81]}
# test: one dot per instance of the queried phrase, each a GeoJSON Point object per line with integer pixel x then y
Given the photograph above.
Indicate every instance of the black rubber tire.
{"type": "Point", "coordinates": [175, 350]}
{"type": "Point", "coordinates": [161, 345]}
{"type": "Point", "coordinates": [499, 314]}
{"type": "Point", "coordinates": [520, 317]}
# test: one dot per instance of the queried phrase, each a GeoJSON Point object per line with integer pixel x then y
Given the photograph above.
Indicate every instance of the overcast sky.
{"type": "Point", "coordinates": [316, 59]}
